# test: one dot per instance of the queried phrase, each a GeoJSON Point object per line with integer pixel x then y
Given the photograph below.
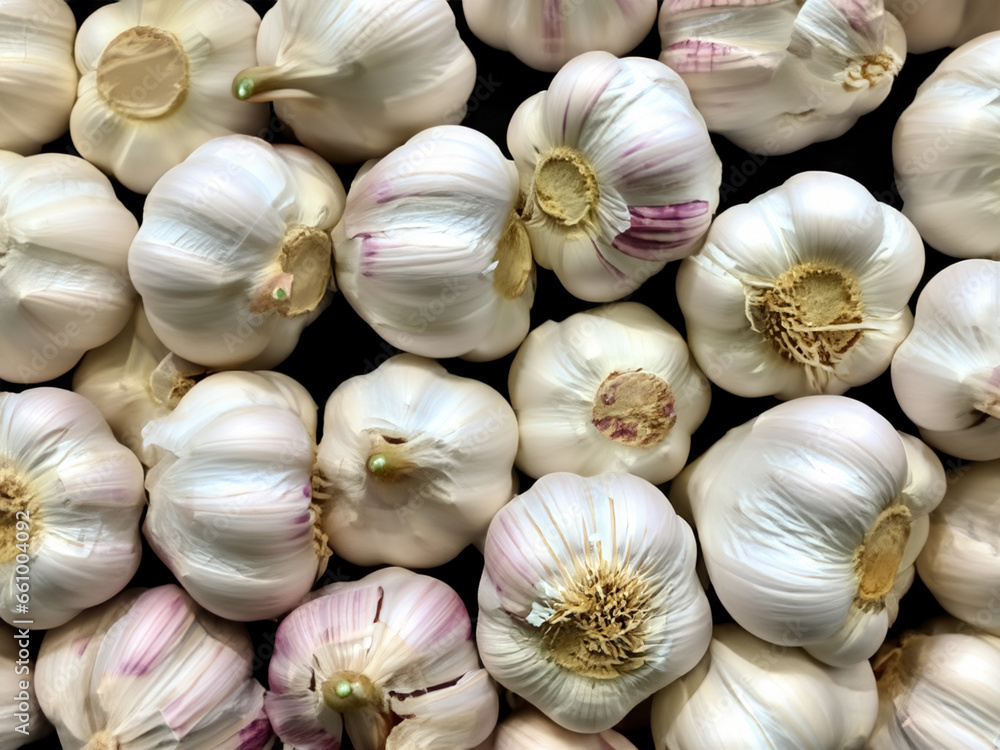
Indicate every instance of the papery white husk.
{"type": "Point", "coordinates": [151, 669]}
{"type": "Point", "coordinates": [751, 694]}
{"type": "Point", "coordinates": [544, 542]}
{"type": "Point", "coordinates": [559, 371]}
{"type": "Point", "coordinates": [70, 503]}
{"type": "Point", "coordinates": [449, 445]}
{"type": "Point", "coordinates": [656, 172]}
{"type": "Point", "coordinates": [410, 636]}
{"type": "Point", "coordinates": [417, 252]}
{"type": "Point", "coordinates": [231, 511]}
{"type": "Point", "coordinates": [782, 507]}
{"type": "Point", "coordinates": [530, 728]}
{"type": "Point", "coordinates": [208, 259]}
{"type": "Point", "coordinates": [23, 719]}
{"type": "Point", "coordinates": [217, 37]}
{"type": "Point", "coordinates": [933, 24]}
{"type": "Point", "coordinates": [814, 217]}
{"type": "Point", "coordinates": [774, 76]}
{"type": "Point", "coordinates": [547, 35]}
{"type": "Point", "coordinates": [64, 239]}
{"type": "Point", "coordinates": [39, 75]}
{"type": "Point", "coordinates": [944, 150]}
{"type": "Point", "coordinates": [946, 374]}
{"type": "Point", "coordinates": [356, 78]}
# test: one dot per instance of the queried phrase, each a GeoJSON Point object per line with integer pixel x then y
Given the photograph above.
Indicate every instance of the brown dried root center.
{"type": "Point", "coordinates": [877, 559]}
{"type": "Point", "coordinates": [143, 73]}
{"type": "Point", "coordinates": [869, 71]}
{"type": "Point", "coordinates": [302, 274]}
{"type": "Point", "coordinates": [634, 408]}
{"type": "Point", "coordinates": [565, 186]}
{"type": "Point", "coordinates": [16, 497]}
{"type": "Point", "coordinates": [513, 259]}
{"type": "Point", "coordinates": [102, 740]}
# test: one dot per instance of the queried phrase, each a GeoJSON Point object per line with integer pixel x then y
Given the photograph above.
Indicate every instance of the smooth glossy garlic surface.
{"type": "Point", "coordinates": [932, 24]}
{"type": "Point", "coordinates": [530, 728]}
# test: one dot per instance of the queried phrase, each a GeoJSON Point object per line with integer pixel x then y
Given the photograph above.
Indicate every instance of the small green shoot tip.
{"type": "Point", "coordinates": [279, 293]}
{"type": "Point", "coordinates": [344, 689]}
{"type": "Point", "coordinates": [377, 464]}
{"type": "Point", "coordinates": [244, 88]}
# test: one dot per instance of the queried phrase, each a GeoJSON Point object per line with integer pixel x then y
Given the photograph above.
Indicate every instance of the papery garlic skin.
{"type": "Point", "coordinates": [23, 721]}
{"type": "Point", "coordinates": [70, 502]}
{"type": "Point", "coordinates": [231, 511]}
{"type": "Point", "coordinates": [431, 251]}
{"type": "Point", "coordinates": [546, 35]}
{"type": "Point", "coordinates": [415, 462]}
{"type": "Point", "coordinates": [356, 78]}
{"type": "Point", "coordinates": [946, 374]}
{"type": "Point", "coordinates": [609, 389]}
{"type": "Point", "coordinates": [154, 83]}
{"type": "Point", "coordinates": [618, 171]}
{"type": "Point", "coordinates": [933, 24]}
{"type": "Point", "coordinates": [233, 258]}
{"type": "Point", "coordinates": [389, 659]}
{"type": "Point", "coordinates": [774, 76]}
{"type": "Point", "coordinates": [151, 668]}
{"type": "Point", "coordinates": [530, 728]}
{"type": "Point", "coordinates": [751, 694]}
{"type": "Point", "coordinates": [802, 291]}
{"type": "Point", "coordinates": [939, 146]}
{"type": "Point", "coordinates": [589, 601]}
{"type": "Point", "coordinates": [39, 75]}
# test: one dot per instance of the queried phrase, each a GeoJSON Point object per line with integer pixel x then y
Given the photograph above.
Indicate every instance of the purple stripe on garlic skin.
{"type": "Point", "coordinates": [552, 30]}
{"type": "Point", "coordinates": [698, 55]}
{"type": "Point", "coordinates": [656, 230]}
{"type": "Point", "coordinates": [171, 617]}
{"type": "Point", "coordinates": [255, 735]}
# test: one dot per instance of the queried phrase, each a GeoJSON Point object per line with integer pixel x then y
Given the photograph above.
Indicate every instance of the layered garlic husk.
{"type": "Point", "coordinates": [151, 668]}
{"type": "Point", "coordinates": [618, 171]}
{"type": "Point", "coordinates": [774, 76]}
{"type": "Point", "coordinates": [946, 374]}
{"type": "Point", "coordinates": [609, 389]}
{"type": "Point", "coordinates": [234, 257]}
{"type": "Point", "coordinates": [810, 517]}
{"type": "Point", "coordinates": [70, 502]}
{"type": "Point", "coordinates": [933, 24]}
{"type": "Point", "coordinates": [431, 251]}
{"type": "Point", "coordinates": [356, 78]}
{"type": "Point", "coordinates": [803, 290]}
{"type": "Point", "coordinates": [940, 145]}
{"type": "Point", "coordinates": [389, 659]}
{"type": "Point", "coordinates": [38, 87]}
{"type": "Point", "coordinates": [414, 462]}
{"type": "Point", "coordinates": [23, 721]}
{"type": "Point", "coordinates": [589, 602]}
{"type": "Point", "coordinates": [530, 728]}
{"type": "Point", "coordinates": [154, 83]}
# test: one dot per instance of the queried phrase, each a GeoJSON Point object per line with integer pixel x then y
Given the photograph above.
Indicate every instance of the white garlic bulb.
{"type": "Point", "coordinates": [932, 24]}
{"type": "Point", "coordinates": [154, 84]}
{"type": "Point", "coordinates": [528, 728]}
{"type": "Point", "coordinates": [803, 290]}
{"type": "Point", "coordinates": [809, 518]}
{"type": "Point", "coordinates": [233, 258]}
{"type": "Point", "coordinates": [431, 251]}
{"type": "Point", "coordinates": [752, 694]}
{"type": "Point", "coordinates": [939, 145]}
{"type": "Point", "coordinates": [774, 76]}
{"type": "Point", "coordinates": [389, 659]}
{"type": "Point", "coordinates": [618, 171]}
{"type": "Point", "coordinates": [151, 668]}
{"type": "Point", "coordinates": [63, 282]}
{"type": "Point", "coordinates": [608, 389]}
{"type": "Point", "coordinates": [946, 374]}
{"type": "Point", "coordinates": [356, 78]}
{"type": "Point", "coordinates": [38, 87]}
{"type": "Point", "coordinates": [589, 602]}
{"type": "Point", "coordinates": [415, 462]}
{"type": "Point", "coordinates": [70, 502]}
{"type": "Point", "coordinates": [547, 35]}
{"type": "Point", "coordinates": [231, 511]}
{"type": "Point", "coordinates": [23, 721]}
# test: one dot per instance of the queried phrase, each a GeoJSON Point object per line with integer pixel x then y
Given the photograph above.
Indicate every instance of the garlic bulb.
{"type": "Point", "coordinates": [960, 563]}
{"type": "Point", "coordinates": [932, 24]}
{"type": "Point", "coordinates": [946, 375]}
{"type": "Point", "coordinates": [940, 144]}
{"type": "Point", "coordinates": [23, 719]}
{"type": "Point", "coordinates": [809, 518]}
{"type": "Point", "coordinates": [38, 87]}
{"type": "Point", "coordinates": [547, 35]}
{"type": "Point", "coordinates": [431, 251]}
{"type": "Point", "coordinates": [415, 463]}
{"type": "Point", "coordinates": [148, 669]}
{"type": "Point", "coordinates": [774, 76]}
{"type": "Point", "coordinates": [154, 84]}
{"type": "Point", "coordinates": [63, 249]}
{"type": "Point", "coordinates": [390, 659]}
{"type": "Point", "coordinates": [803, 290]}
{"type": "Point", "coordinates": [231, 511]}
{"type": "Point", "coordinates": [233, 258]}
{"type": "Point", "coordinates": [750, 694]}
{"type": "Point", "coordinates": [589, 601]}
{"type": "Point", "coordinates": [356, 78]}
{"type": "Point", "coordinates": [70, 502]}
{"type": "Point", "coordinates": [608, 389]}
{"type": "Point", "coordinates": [529, 728]}
{"type": "Point", "coordinates": [619, 173]}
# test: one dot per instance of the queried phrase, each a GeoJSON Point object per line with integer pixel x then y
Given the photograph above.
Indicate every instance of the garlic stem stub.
{"type": "Point", "coordinates": [933, 24]}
